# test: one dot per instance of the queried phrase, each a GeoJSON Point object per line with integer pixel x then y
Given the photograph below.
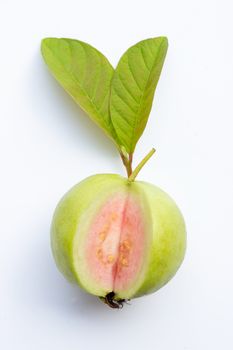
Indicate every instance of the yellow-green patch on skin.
{"type": "Point", "coordinates": [169, 239]}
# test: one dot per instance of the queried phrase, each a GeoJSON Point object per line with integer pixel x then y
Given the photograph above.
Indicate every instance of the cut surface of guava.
{"type": "Point", "coordinates": [115, 243]}
{"type": "Point", "coordinates": [114, 246]}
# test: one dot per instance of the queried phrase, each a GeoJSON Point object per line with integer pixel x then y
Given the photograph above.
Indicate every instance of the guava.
{"type": "Point", "coordinates": [117, 239]}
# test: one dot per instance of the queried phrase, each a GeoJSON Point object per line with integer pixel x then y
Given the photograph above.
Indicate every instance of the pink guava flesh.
{"type": "Point", "coordinates": [115, 244]}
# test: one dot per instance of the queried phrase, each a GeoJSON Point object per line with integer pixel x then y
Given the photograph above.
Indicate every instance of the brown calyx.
{"type": "Point", "coordinates": [113, 303]}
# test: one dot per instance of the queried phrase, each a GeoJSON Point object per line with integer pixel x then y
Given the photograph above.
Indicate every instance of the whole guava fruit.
{"type": "Point", "coordinates": [117, 239]}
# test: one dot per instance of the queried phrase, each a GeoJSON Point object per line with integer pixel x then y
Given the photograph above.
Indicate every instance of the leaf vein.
{"type": "Point", "coordinates": [126, 103]}
{"type": "Point", "coordinates": [131, 71]}
{"type": "Point", "coordinates": [144, 59]}
{"type": "Point", "coordinates": [126, 88]}
{"type": "Point", "coordinates": [120, 116]}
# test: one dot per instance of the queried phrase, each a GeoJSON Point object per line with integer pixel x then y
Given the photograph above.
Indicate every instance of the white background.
{"type": "Point", "coordinates": [48, 144]}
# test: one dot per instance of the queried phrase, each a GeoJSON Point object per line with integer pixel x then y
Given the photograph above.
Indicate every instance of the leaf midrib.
{"type": "Point", "coordinates": [143, 93]}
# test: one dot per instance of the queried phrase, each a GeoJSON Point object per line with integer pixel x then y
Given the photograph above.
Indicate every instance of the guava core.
{"type": "Point", "coordinates": [118, 238]}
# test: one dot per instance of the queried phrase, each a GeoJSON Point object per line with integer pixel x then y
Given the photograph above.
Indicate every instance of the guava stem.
{"type": "Point", "coordinates": [140, 165]}
{"type": "Point", "coordinates": [127, 161]}
{"type": "Point", "coordinates": [130, 164]}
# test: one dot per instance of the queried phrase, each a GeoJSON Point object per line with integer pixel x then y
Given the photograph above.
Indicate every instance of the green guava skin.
{"type": "Point", "coordinates": [164, 220]}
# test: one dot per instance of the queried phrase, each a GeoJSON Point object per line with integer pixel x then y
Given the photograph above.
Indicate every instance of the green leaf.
{"type": "Point", "coordinates": [133, 86]}
{"type": "Point", "coordinates": [85, 74]}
